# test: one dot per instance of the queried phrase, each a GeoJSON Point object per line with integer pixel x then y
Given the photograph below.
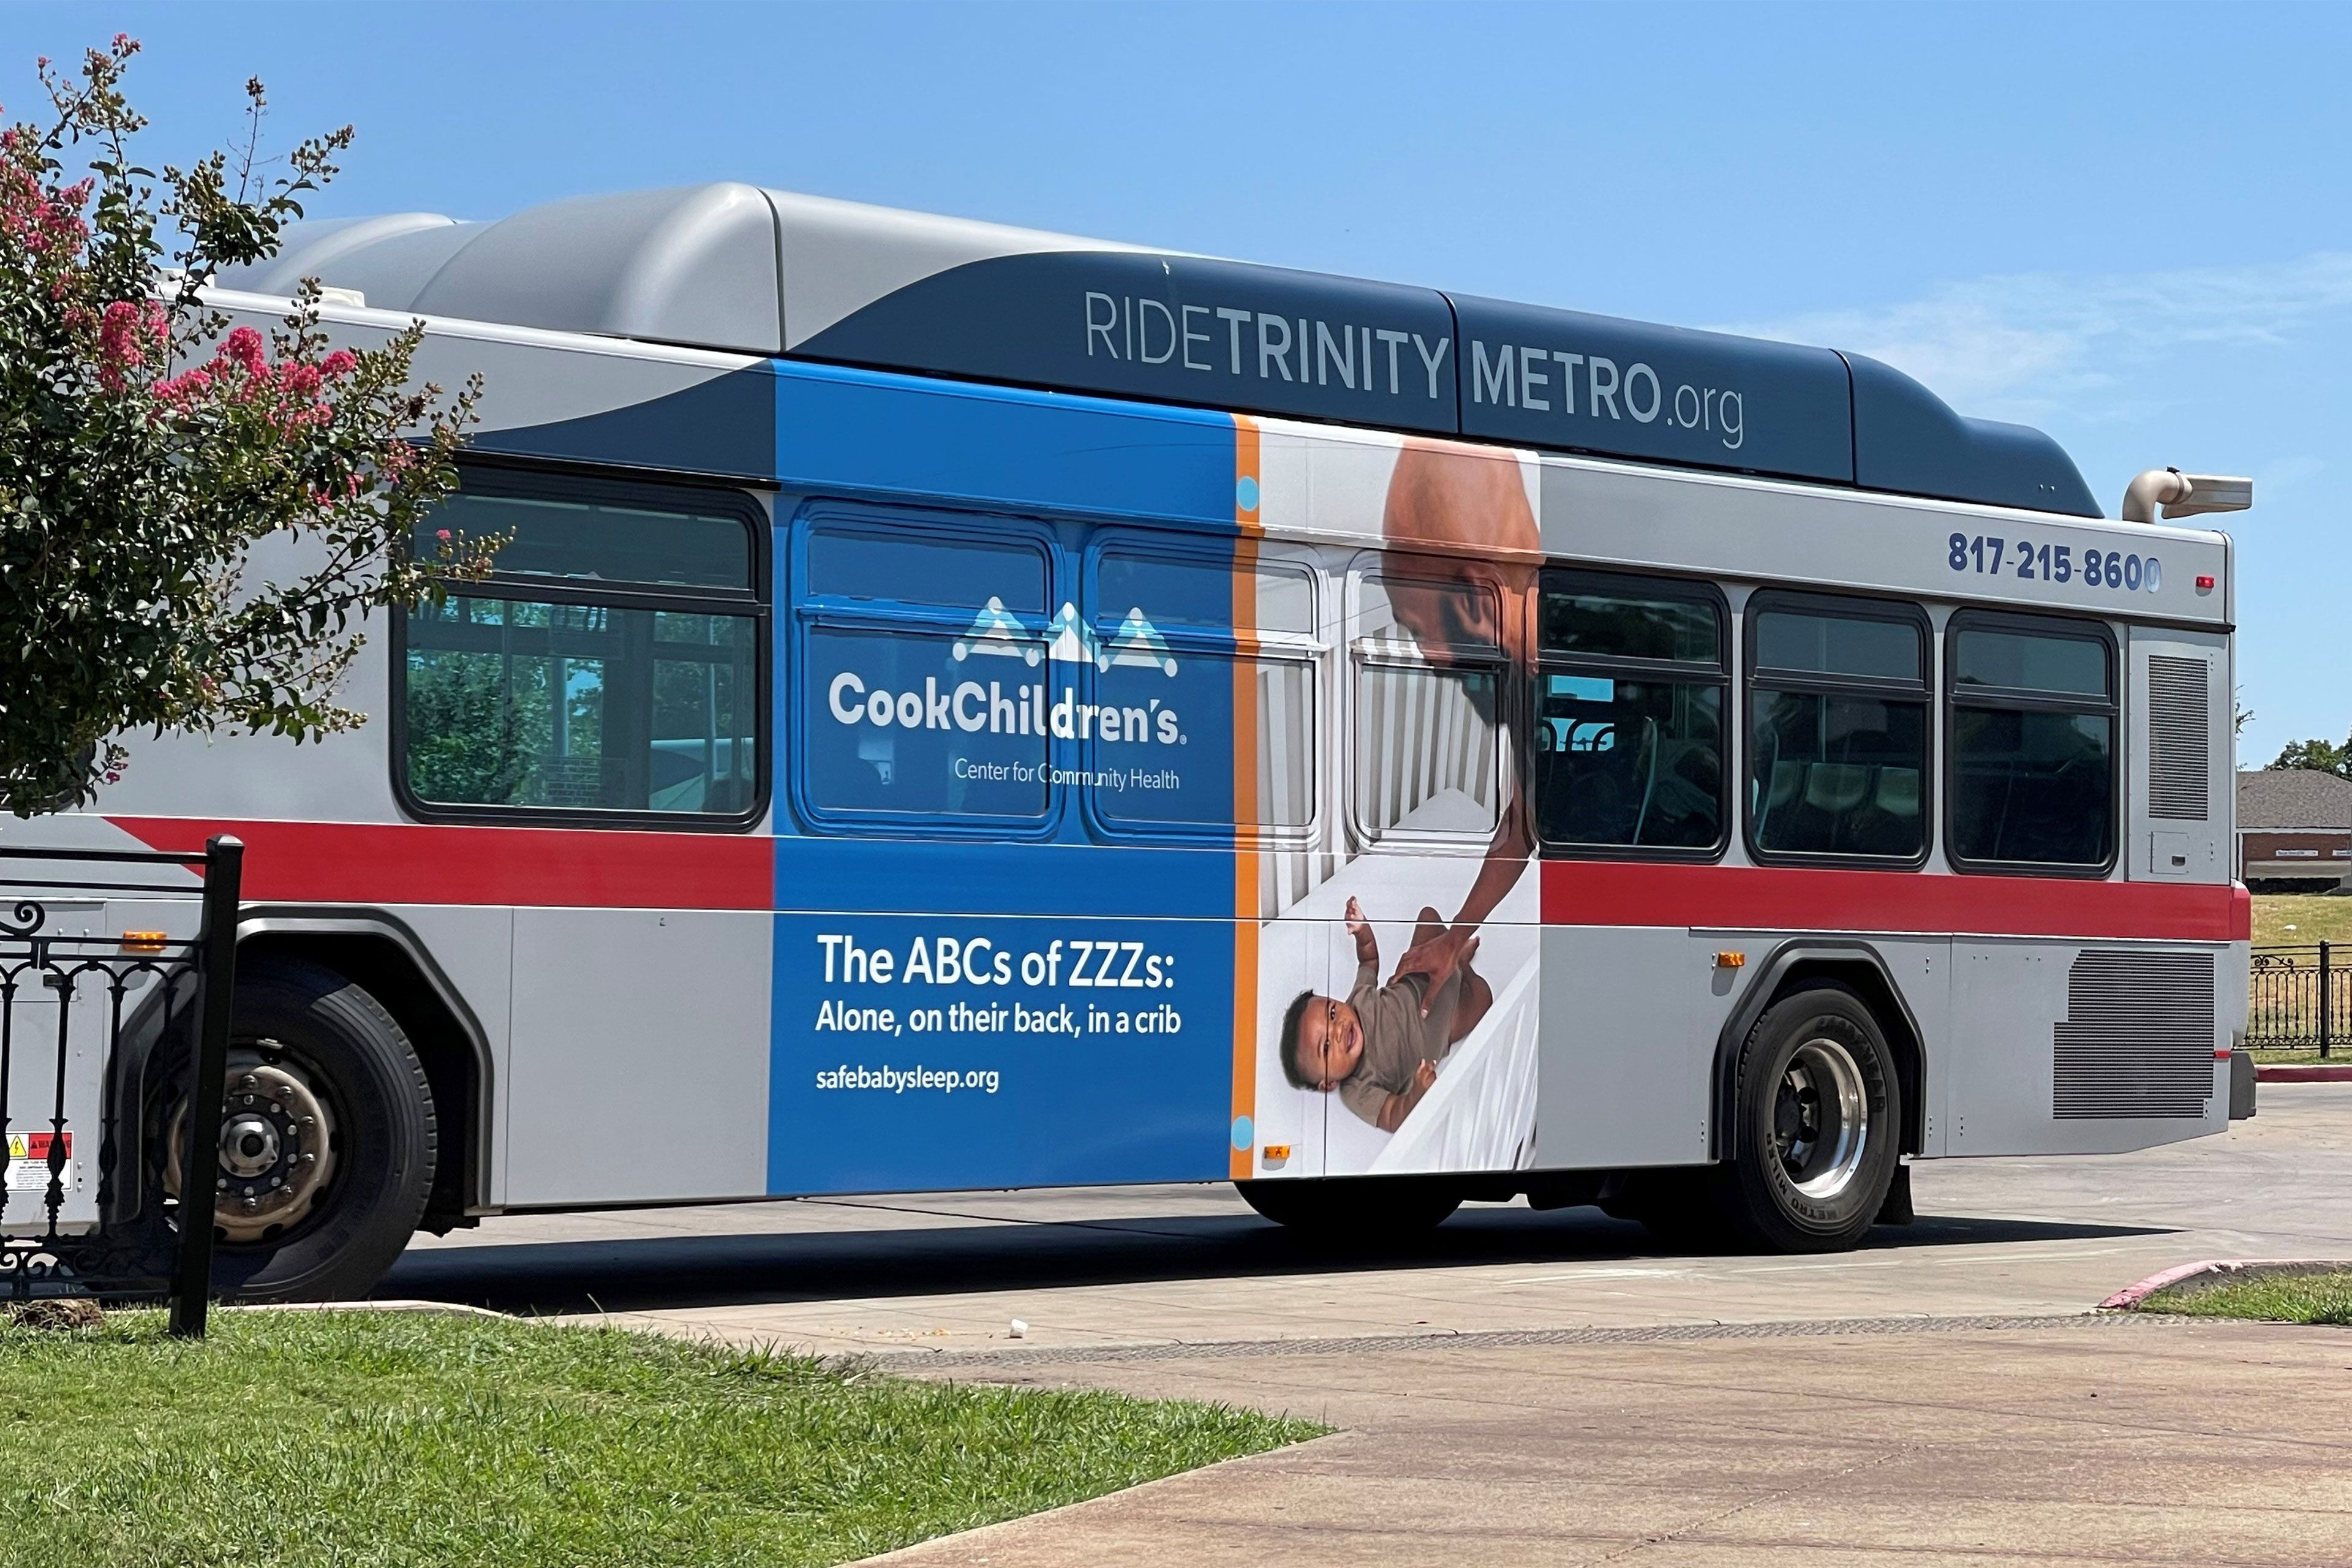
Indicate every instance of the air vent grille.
{"type": "Point", "coordinates": [2179, 727]}
{"type": "Point", "coordinates": [2137, 1037]}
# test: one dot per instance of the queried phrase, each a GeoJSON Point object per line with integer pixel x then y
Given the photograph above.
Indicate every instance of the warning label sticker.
{"type": "Point", "coordinates": [28, 1161]}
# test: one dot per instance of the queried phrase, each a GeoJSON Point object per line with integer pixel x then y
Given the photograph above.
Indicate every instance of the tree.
{"type": "Point", "coordinates": [2320, 756]}
{"type": "Point", "coordinates": [147, 450]}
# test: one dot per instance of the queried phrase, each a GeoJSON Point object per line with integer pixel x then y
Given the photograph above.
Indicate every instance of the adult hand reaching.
{"type": "Point", "coordinates": [1437, 958]}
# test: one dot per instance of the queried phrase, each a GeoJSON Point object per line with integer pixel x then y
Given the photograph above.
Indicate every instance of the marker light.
{"type": "Point", "coordinates": [144, 941]}
{"type": "Point", "coordinates": [2204, 582]}
{"type": "Point", "coordinates": [1730, 960]}
{"type": "Point", "coordinates": [1277, 1151]}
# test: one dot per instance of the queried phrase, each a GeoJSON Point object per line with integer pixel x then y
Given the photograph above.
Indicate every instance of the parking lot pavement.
{"type": "Point", "coordinates": [1159, 1265]}
{"type": "Point", "coordinates": [2104, 1441]}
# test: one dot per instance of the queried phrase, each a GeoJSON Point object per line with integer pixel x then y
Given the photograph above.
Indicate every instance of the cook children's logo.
{"type": "Point", "coordinates": [1023, 708]}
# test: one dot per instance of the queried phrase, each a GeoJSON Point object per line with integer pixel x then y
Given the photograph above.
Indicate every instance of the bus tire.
{"type": "Point", "coordinates": [1354, 1209]}
{"type": "Point", "coordinates": [308, 1043]}
{"type": "Point", "coordinates": [1818, 1126]}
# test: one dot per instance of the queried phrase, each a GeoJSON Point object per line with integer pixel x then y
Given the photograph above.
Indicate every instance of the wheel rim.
{"type": "Point", "coordinates": [277, 1147]}
{"type": "Point", "coordinates": [1820, 1119]}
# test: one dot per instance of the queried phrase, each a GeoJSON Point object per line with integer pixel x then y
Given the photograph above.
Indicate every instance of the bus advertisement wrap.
{"type": "Point", "coordinates": [925, 1051]}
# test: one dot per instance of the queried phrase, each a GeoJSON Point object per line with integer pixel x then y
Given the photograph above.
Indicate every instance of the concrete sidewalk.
{"type": "Point", "coordinates": [1124, 1266]}
{"type": "Point", "coordinates": [2095, 1441]}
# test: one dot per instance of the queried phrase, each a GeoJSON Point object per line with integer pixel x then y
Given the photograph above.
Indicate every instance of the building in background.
{"type": "Point", "coordinates": [2295, 830]}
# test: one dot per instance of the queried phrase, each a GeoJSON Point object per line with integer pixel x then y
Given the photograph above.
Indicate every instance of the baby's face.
{"type": "Point", "coordinates": [1330, 1042]}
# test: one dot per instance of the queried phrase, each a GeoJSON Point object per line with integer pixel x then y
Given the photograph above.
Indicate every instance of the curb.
{"type": "Point", "coordinates": [2217, 1270]}
{"type": "Point", "coordinates": [2303, 1072]}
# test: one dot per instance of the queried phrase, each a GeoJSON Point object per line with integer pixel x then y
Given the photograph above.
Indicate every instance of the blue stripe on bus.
{"type": "Point", "coordinates": [929, 876]}
{"type": "Point", "coordinates": [856, 432]}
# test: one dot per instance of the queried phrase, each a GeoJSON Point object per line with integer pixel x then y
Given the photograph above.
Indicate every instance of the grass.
{"type": "Point", "coordinates": [357, 1438]}
{"type": "Point", "coordinates": [2317, 916]}
{"type": "Point", "coordinates": [2279, 1299]}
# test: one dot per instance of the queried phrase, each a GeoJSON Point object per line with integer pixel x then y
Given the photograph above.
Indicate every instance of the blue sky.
{"type": "Point", "coordinates": [2127, 225]}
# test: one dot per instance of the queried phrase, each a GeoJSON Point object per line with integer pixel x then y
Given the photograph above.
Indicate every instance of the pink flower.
{"type": "Point", "coordinates": [118, 343]}
{"type": "Point", "coordinates": [243, 348]}
{"type": "Point", "coordinates": [299, 380]}
{"type": "Point", "coordinates": [441, 534]}
{"type": "Point", "coordinates": [340, 363]}
{"type": "Point", "coordinates": [187, 385]}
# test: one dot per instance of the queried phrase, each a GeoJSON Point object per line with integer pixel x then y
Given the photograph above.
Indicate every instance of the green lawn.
{"type": "Point", "coordinates": [2317, 916]}
{"type": "Point", "coordinates": [376, 1438]}
{"type": "Point", "coordinates": [2291, 1299]}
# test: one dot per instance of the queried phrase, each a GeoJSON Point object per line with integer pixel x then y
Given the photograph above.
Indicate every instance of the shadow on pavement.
{"type": "Point", "coordinates": [629, 1275]}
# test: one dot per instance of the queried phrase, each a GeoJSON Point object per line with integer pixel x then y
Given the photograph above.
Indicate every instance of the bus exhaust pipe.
{"type": "Point", "coordinates": [2184, 495]}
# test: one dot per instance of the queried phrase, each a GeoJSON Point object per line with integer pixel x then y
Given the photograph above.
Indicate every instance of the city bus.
{"type": "Point", "coordinates": [962, 706]}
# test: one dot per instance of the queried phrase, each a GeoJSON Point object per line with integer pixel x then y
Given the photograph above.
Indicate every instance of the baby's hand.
{"type": "Point", "coordinates": [1424, 1078]}
{"type": "Point", "coordinates": [1355, 917]}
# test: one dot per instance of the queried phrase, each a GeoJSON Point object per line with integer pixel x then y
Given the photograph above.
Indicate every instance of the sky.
{"type": "Point", "coordinates": [2127, 225]}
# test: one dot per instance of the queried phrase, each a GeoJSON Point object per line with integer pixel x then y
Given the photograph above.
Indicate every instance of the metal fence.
{"type": "Point", "coordinates": [2300, 999]}
{"type": "Point", "coordinates": [115, 984]}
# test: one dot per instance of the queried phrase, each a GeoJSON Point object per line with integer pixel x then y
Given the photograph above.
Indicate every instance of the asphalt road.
{"type": "Point", "coordinates": [951, 1272]}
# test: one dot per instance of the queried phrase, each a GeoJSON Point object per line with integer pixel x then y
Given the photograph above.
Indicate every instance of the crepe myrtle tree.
{"type": "Point", "coordinates": [147, 451]}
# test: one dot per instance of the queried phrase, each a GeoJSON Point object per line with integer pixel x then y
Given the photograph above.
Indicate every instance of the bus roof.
{"type": "Point", "coordinates": [741, 268]}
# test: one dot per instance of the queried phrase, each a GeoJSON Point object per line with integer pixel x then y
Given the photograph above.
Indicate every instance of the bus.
{"type": "Point", "coordinates": [962, 706]}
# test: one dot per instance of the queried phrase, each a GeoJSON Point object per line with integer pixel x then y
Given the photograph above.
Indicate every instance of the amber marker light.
{"type": "Point", "coordinates": [1730, 960]}
{"type": "Point", "coordinates": [147, 942]}
{"type": "Point", "coordinates": [1277, 1151]}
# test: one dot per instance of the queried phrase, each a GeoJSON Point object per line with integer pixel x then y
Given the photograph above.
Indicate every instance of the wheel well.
{"type": "Point", "coordinates": [1860, 971]}
{"type": "Point", "coordinates": [446, 1038]}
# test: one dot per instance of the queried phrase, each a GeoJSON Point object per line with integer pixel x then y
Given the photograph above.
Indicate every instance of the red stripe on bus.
{"type": "Point", "coordinates": [403, 863]}
{"type": "Point", "coordinates": [1775, 898]}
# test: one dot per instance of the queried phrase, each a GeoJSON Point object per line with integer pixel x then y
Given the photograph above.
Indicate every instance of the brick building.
{"type": "Point", "coordinates": [2295, 825]}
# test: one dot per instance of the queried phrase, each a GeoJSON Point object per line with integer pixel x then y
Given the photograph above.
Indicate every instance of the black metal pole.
{"type": "Point", "coordinates": [2327, 1005]}
{"type": "Point", "coordinates": [208, 1086]}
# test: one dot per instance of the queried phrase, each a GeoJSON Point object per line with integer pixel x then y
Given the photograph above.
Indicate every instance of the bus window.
{"type": "Point", "coordinates": [1629, 714]}
{"type": "Point", "coordinates": [609, 666]}
{"type": "Point", "coordinates": [2032, 744]}
{"type": "Point", "coordinates": [929, 675]}
{"type": "Point", "coordinates": [913, 565]}
{"type": "Point", "coordinates": [1837, 729]}
{"type": "Point", "coordinates": [1425, 758]}
{"type": "Point", "coordinates": [600, 541]}
{"type": "Point", "coordinates": [1205, 688]}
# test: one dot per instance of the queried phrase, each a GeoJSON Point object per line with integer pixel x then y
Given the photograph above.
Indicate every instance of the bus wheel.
{"type": "Point", "coordinates": [1354, 1209]}
{"type": "Point", "coordinates": [326, 1152]}
{"type": "Point", "coordinates": [1818, 1132]}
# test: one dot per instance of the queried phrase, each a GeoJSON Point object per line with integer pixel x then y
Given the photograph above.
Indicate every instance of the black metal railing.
{"type": "Point", "coordinates": [115, 986]}
{"type": "Point", "coordinates": [2300, 998]}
